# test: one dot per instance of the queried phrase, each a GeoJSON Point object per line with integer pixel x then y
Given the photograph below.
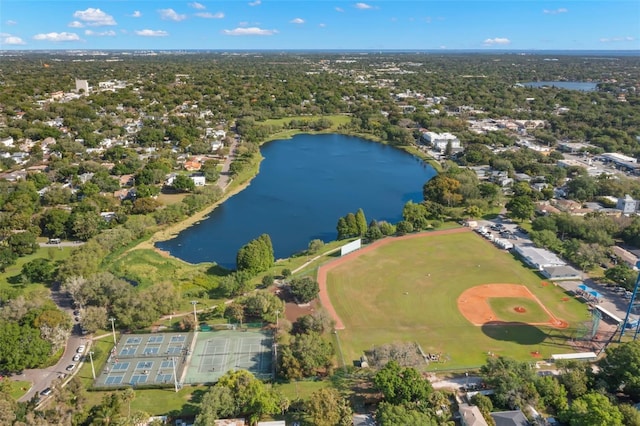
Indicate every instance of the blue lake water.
{"type": "Point", "coordinates": [582, 86]}
{"type": "Point", "coordinates": [305, 184]}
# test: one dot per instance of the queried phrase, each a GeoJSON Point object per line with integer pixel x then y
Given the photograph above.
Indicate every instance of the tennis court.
{"type": "Point", "coordinates": [217, 352]}
{"type": "Point", "coordinates": [143, 359]}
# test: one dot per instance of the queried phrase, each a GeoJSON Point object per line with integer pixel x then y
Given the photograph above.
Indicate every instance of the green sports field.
{"type": "Point", "coordinates": [407, 291]}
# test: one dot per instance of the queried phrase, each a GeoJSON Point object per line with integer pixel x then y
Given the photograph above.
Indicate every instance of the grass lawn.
{"type": "Point", "coordinates": [301, 389]}
{"type": "Point", "coordinates": [148, 267]}
{"type": "Point", "coordinates": [9, 278]}
{"type": "Point", "coordinates": [407, 291]}
{"type": "Point", "coordinates": [505, 309]}
{"type": "Point", "coordinates": [19, 388]}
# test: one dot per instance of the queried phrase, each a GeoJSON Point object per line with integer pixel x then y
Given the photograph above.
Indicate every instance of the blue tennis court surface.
{"type": "Point", "coordinates": [145, 359]}
{"type": "Point", "coordinates": [162, 359]}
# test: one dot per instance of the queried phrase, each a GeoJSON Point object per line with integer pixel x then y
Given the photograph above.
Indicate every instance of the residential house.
{"type": "Point", "coordinates": [625, 256]}
{"type": "Point", "coordinates": [229, 422]}
{"type": "Point", "coordinates": [192, 165]}
{"type": "Point", "coordinates": [8, 142]}
{"type": "Point", "coordinates": [522, 177]}
{"type": "Point", "coordinates": [126, 180]}
{"type": "Point", "coordinates": [470, 415]}
{"type": "Point", "coordinates": [198, 180]}
{"type": "Point", "coordinates": [510, 418]}
{"type": "Point", "coordinates": [500, 178]}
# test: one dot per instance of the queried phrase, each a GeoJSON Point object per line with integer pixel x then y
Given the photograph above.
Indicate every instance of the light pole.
{"type": "Point", "coordinates": [93, 370]}
{"type": "Point", "coordinates": [175, 378]}
{"type": "Point", "coordinates": [195, 316]}
{"type": "Point", "coordinates": [113, 329]}
{"type": "Point", "coordinates": [277, 317]}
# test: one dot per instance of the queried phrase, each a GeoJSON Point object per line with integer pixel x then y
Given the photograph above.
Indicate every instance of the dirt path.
{"type": "Point", "coordinates": [323, 269]}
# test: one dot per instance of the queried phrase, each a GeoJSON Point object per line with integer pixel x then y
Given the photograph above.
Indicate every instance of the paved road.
{"type": "Point", "coordinates": [41, 378]}
{"type": "Point", "coordinates": [225, 177]}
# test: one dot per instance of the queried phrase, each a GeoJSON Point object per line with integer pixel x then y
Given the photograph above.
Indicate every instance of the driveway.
{"type": "Point", "coordinates": [41, 378]}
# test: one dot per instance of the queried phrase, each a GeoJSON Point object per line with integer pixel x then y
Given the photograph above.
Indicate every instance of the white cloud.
{"type": "Point", "coordinates": [75, 24]}
{"type": "Point", "coordinates": [152, 33]}
{"type": "Point", "coordinates": [250, 31]}
{"type": "Point", "coordinates": [322, 25]}
{"type": "Point", "coordinates": [11, 40]}
{"type": "Point", "coordinates": [339, 9]}
{"type": "Point", "coordinates": [555, 11]}
{"type": "Point", "coordinates": [109, 33]}
{"type": "Point", "coordinates": [616, 39]}
{"type": "Point", "coordinates": [209, 15]}
{"type": "Point", "coordinates": [57, 37]}
{"type": "Point", "coordinates": [136, 14]}
{"type": "Point", "coordinates": [171, 15]}
{"type": "Point", "coordinates": [197, 5]}
{"type": "Point", "coordinates": [363, 6]}
{"type": "Point", "coordinates": [496, 41]}
{"type": "Point", "coordinates": [255, 3]}
{"type": "Point", "coordinates": [94, 17]}
{"type": "Point", "coordinates": [297, 21]}
{"type": "Point", "coordinates": [11, 22]}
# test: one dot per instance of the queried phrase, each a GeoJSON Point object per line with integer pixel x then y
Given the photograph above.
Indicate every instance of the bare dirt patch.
{"type": "Point", "coordinates": [473, 304]}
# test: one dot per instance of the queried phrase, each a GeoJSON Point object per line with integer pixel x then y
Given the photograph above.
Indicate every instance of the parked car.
{"type": "Point", "coordinates": [76, 357]}
{"type": "Point", "coordinates": [80, 349]}
{"type": "Point", "coordinates": [46, 392]}
{"type": "Point", "coordinates": [71, 367]}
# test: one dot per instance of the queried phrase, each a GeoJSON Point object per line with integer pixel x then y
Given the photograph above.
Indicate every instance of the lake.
{"type": "Point", "coordinates": [582, 86]}
{"type": "Point", "coordinates": [305, 184]}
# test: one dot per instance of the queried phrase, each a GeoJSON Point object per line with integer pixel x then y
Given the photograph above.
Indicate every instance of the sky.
{"type": "Point", "coordinates": [320, 24]}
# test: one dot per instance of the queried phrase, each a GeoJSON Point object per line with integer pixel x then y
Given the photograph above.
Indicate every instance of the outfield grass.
{"type": "Point", "coordinates": [337, 120]}
{"type": "Point", "coordinates": [407, 291]}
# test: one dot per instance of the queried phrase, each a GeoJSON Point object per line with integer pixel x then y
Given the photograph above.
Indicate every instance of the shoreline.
{"type": "Point", "coordinates": [173, 230]}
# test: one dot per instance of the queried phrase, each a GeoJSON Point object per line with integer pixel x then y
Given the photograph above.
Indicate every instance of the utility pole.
{"type": "Point", "coordinates": [277, 317]}
{"type": "Point", "coordinates": [93, 370]}
{"type": "Point", "coordinates": [113, 329]}
{"type": "Point", "coordinates": [195, 316]}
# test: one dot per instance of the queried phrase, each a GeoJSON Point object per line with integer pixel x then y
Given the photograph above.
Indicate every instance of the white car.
{"type": "Point", "coordinates": [76, 357]}
{"type": "Point", "coordinates": [71, 367]}
{"type": "Point", "coordinates": [80, 349]}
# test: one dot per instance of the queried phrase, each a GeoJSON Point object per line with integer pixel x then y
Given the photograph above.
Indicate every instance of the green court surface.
{"type": "Point", "coordinates": [217, 352]}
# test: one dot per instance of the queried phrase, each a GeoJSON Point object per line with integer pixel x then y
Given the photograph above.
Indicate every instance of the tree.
{"type": "Point", "coordinates": [622, 274]}
{"type": "Point", "coordinates": [404, 227]}
{"type": "Point", "coordinates": [593, 409]}
{"type": "Point", "coordinates": [304, 289]}
{"type": "Point", "coordinates": [7, 258]}
{"type": "Point", "coordinates": [416, 215]}
{"type": "Point", "coordinates": [252, 397]}
{"type": "Point", "coordinates": [217, 403]}
{"type": "Point", "coordinates": [22, 347]}
{"type": "Point", "coordinates": [485, 406]}
{"type": "Point", "coordinates": [552, 394]}
{"type": "Point", "coordinates": [621, 368]}
{"type": "Point", "coordinates": [443, 189]}
{"type": "Point", "coordinates": [262, 306]}
{"type": "Point", "coordinates": [22, 243]}
{"type": "Point", "coordinates": [389, 414]}
{"type": "Point", "coordinates": [256, 256]}
{"type": "Point", "coordinates": [234, 312]}
{"type": "Point", "coordinates": [315, 246]}
{"type": "Point", "coordinates": [305, 355]}
{"type": "Point", "coordinates": [511, 380]}
{"type": "Point", "coordinates": [184, 183]}
{"type": "Point", "coordinates": [54, 223]}
{"type": "Point", "coordinates": [630, 415]}
{"type": "Point", "coordinates": [521, 207]}
{"type": "Point", "coordinates": [401, 385]}
{"type": "Point", "coordinates": [327, 407]}
{"type": "Point", "coordinates": [38, 270]}
{"type": "Point", "coordinates": [94, 318]}
{"type": "Point", "coordinates": [361, 222]}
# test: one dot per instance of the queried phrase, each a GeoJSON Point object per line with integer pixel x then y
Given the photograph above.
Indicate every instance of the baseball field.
{"type": "Point", "coordinates": [453, 293]}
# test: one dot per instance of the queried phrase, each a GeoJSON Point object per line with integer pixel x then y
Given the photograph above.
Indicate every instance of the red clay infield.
{"type": "Point", "coordinates": [323, 269]}
{"type": "Point", "coordinates": [473, 304]}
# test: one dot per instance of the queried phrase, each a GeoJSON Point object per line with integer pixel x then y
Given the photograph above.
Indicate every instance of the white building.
{"type": "Point", "coordinates": [627, 204]}
{"type": "Point", "coordinates": [8, 142]}
{"type": "Point", "coordinates": [440, 141]}
{"type": "Point", "coordinates": [82, 85]}
{"type": "Point", "coordinates": [198, 180]}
